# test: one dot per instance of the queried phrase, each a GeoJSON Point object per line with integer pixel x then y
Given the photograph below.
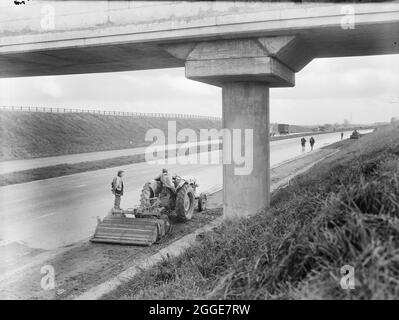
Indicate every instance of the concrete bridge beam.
{"type": "Point", "coordinates": [245, 69]}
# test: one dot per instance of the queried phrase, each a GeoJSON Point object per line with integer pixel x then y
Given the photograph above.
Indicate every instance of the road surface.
{"type": "Point", "coordinates": [48, 214]}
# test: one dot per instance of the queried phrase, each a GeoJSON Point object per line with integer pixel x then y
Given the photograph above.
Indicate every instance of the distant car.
{"type": "Point", "coordinates": [355, 135]}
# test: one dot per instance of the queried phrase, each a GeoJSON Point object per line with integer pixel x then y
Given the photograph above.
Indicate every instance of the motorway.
{"type": "Point", "coordinates": [52, 213]}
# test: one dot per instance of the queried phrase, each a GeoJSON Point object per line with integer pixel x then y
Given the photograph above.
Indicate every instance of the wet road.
{"type": "Point", "coordinates": [56, 212]}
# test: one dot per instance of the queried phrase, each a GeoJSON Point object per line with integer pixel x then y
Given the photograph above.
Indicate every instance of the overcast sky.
{"type": "Point", "coordinates": [360, 89]}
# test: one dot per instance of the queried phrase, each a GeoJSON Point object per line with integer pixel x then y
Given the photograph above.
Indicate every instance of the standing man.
{"type": "Point", "coordinates": [303, 143]}
{"type": "Point", "coordinates": [117, 189]}
{"type": "Point", "coordinates": [312, 141]}
{"type": "Point", "coordinates": [342, 135]}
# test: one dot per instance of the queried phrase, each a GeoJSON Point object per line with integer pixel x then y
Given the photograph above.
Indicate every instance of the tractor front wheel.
{"type": "Point", "coordinates": [185, 203]}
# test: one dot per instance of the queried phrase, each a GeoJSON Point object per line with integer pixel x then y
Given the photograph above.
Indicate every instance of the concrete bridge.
{"type": "Point", "coordinates": [245, 48]}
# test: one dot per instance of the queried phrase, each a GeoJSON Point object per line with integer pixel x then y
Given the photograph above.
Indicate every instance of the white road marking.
{"type": "Point", "coordinates": [81, 185]}
{"type": "Point", "coordinates": [4, 243]}
{"type": "Point", "coordinates": [46, 215]}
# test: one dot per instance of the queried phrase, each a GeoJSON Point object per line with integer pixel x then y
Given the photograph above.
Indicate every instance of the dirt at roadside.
{"type": "Point", "coordinates": [87, 264]}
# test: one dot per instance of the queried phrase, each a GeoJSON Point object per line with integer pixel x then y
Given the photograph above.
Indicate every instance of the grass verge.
{"type": "Point", "coordinates": [66, 169]}
{"type": "Point", "coordinates": [343, 212]}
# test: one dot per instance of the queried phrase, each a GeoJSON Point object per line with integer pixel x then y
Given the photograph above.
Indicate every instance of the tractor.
{"type": "Point", "coordinates": [355, 135]}
{"type": "Point", "coordinates": [179, 195]}
{"type": "Point", "coordinates": [148, 222]}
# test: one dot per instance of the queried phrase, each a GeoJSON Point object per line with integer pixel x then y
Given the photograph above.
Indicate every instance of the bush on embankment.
{"type": "Point", "coordinates": [39, 134]}
{"type": "Point", "coordinates": [343, 212]}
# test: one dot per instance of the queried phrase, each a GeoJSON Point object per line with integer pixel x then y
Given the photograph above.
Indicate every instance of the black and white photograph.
{"type": "Point", "coordinates": [199, 155]}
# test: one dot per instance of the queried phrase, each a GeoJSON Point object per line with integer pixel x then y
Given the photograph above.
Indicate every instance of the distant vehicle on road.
{"type": "Point", "coordinates": [355, 134]}
{"type": "Point", "coordinates": [283, 128]}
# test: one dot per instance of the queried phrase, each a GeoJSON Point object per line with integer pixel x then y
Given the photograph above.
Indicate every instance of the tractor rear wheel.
{"type": "Point", "coordinates": [146, 195]}
{"type": "Point", "coordinates": [185, 203]}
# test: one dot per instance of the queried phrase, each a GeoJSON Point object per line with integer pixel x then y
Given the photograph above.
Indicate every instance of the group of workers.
{"type": "Point", "coordinates": [117, 185]}
{"type": "Point", "coordinates": [303, 143]}
{"type": "Point", "coordinates": [312, 142]}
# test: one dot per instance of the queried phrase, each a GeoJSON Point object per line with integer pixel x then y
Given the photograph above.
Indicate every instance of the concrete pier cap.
{"type": "Point", "coordinates": [245, 69]}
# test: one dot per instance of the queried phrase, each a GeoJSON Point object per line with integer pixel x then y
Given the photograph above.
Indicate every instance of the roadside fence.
{"type": "Point", "coordinates": [109, 113]}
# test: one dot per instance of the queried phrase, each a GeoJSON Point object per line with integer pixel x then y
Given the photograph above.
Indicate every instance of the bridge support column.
{"type": "Point", "coordinates": [246, 108]}
{"type": "Point", "coordinates": [245, 69]}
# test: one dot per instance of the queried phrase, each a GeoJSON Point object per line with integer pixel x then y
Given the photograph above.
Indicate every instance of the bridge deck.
{"type": "Point", "coordinates": [109, 36]}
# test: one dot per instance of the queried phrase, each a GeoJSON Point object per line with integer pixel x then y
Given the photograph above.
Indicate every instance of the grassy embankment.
{"type": "Point", "coordinates": [35, 134]}
{"type": "Point", "coordinates": [343, 212]}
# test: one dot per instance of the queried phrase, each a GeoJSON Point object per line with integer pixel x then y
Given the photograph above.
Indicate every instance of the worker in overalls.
{"type": "Point", "coordinates": [311, 141]}
{"type": "Point", "coordinates": [166, 180]}
{"type": "Point", "coordinates": [303, 144]}
{"type": "Point", "coordinates": [117, 189]}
